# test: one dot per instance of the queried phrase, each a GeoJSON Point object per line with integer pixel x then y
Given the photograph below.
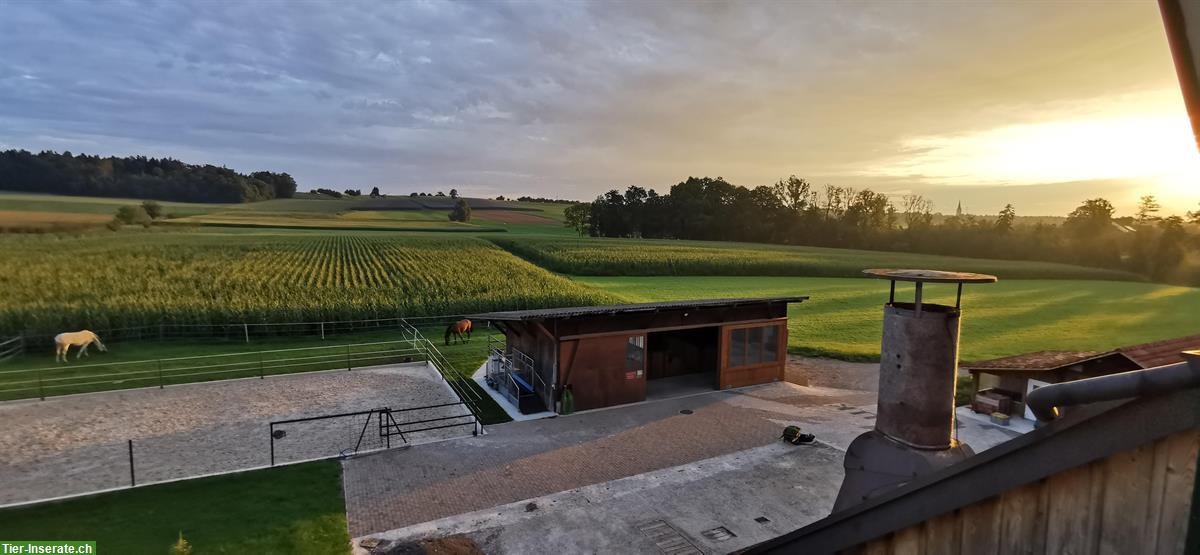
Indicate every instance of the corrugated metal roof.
{"type": "Point", "coordinates": [548, 313]}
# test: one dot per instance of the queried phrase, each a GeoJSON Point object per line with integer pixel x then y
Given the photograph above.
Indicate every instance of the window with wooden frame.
{"type": "Point", "coordinates": [750, 346]}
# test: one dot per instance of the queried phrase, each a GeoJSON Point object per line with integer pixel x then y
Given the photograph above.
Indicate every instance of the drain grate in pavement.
{"type": "Point", "coordinates": [718, 534]}
{"type": "Point", "coordinates": [762, 520]}
{"type": "Point", "coordinates": [667, 539]}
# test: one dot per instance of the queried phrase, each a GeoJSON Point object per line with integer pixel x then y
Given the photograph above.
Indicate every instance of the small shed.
{"type": "Point", "coordinates": [1002, 384]}
{"type": "Point", "coordinates": [610, 355]}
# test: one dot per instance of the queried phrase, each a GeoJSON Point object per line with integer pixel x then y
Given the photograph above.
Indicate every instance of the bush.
{"type": "Point", "coordinates": [153, 209]}
{"type": "Point", "coordinates": [133, 215]}
{"type": "Point", "coordinates": [461, 211]}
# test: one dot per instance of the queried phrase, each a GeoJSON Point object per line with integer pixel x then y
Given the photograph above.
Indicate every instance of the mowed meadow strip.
{"type": "Point", "coordinates": [50, 284]}
{"type": "Point", "coordinates": [638, 257]}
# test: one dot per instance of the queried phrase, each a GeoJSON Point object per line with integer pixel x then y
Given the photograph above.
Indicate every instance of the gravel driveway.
{"type": "Point", "coordinates": [77, 444]}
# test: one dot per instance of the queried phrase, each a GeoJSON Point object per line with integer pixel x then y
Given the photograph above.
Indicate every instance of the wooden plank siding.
{"type": "Point", "coordinates": [594, 368]}
{"type": "Point", "coordinates": [1135, 501]}
{"type": "Point", "coordinates": [765, 372]}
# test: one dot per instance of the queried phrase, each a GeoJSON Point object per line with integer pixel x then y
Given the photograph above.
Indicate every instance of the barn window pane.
{"type": "Point", "coordinates": [635, 350]}
{"type": "Point", "coordinates": [770, 344]}
{"type": "Point", "coordinates": [737, 347]}
{"type": "Point", "coordinates": [754, 354]}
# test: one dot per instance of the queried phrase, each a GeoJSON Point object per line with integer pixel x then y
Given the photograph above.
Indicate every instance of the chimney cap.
{"type": "Point", "coordinates": [929, 276]}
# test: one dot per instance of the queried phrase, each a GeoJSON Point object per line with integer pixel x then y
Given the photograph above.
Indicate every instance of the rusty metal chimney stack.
{"type": "Point", "coordinates": [918, 367]}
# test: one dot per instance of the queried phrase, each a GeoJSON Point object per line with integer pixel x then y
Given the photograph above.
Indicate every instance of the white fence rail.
{"type": "Point", "coordinates": [83, 378]}
{"type": "Point", "coordinates": [249, 331]}
{"type": "Point", "coordinates": [11, 347]}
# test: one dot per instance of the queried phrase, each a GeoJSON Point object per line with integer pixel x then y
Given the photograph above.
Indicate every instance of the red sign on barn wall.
{"type": "Point", "coordinates": [631, 375]}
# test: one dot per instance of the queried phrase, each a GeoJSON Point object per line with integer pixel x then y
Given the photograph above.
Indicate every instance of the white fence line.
{"type": "Point", "coordinates": [246, 331]}
{"type": "Point", "coordinates": [44, 381]}
{"type": "Point", "coordinates": [12, 347]}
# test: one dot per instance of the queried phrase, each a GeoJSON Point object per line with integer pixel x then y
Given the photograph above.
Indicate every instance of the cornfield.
{"type": "Point", "coordinates": [51, 284]}
{"type": "Point", "coordinates": [633, 257]}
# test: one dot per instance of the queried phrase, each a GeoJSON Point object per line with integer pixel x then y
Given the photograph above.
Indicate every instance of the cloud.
{"type": "Point", "coordinates": [563, 99]}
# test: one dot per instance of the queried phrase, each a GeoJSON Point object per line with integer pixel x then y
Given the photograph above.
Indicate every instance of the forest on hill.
{"type": "Point", "coordinates": [792, 211]}
{"type": "Point", "coordinates": [137, 177]}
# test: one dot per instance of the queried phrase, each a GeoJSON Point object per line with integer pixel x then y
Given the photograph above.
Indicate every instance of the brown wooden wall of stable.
{"type": "Point", "coordinates": [1136, 501]}
{"type": "Point", "coordinates": [755, 374]}
{"type": "Point", "coordinates": [594, 367]}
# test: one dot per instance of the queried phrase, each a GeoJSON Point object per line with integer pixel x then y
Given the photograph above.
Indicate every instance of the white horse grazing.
{"type": "Point", "coordinates": [64, 341]}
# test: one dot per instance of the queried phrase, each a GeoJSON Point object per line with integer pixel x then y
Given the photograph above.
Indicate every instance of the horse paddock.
{"type": "Point", "coordinates": [82, 443]}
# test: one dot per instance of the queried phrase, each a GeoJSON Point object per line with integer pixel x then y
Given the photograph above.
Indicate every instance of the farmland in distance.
{"type": "Point", "coordinates": [632, 257]}
{"type": "Point", "coordinates": [52, 283]}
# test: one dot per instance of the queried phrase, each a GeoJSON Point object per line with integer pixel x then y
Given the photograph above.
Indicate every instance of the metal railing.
{"type": "Point", "coordinates": [386, 427]}
{"type": "Point", "coordinates": [508, 365]}
{"type": "Point", "coordinates": [459, 383]}
{"type": "Point", "coordinates": [83, 378]}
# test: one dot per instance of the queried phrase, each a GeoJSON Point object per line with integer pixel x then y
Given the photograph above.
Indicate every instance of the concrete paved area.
{"type": "Point", "coordinates": [595, 472]}
{"type": "Point", "coordinates": [522, 460]}
{"type": "Point", "coordinates": [754, 495]}
{"type": "Point", "coordinates": [78, 444]}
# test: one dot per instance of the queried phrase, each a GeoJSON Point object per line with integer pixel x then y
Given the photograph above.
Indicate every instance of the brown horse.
{"type": "Point", "coordinates": [458, 329]}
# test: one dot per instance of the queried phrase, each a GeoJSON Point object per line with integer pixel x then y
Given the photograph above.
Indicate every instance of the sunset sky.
{"type": "Point", "coordinates": [1039, 104]}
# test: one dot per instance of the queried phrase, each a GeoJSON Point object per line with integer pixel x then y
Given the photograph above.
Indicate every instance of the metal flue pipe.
{"type": "Point", "coordinates": [1045, 402]}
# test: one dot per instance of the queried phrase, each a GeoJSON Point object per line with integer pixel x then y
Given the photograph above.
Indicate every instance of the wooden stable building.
{"type": "Point", "coordinates": [610, 355]}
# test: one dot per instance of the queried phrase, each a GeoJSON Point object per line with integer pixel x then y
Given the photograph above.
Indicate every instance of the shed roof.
{"type": "Point", "coordinates": [1145, 355]}
{"type": "Point", "coordinates": [1159, 353]}
{"type": "Point", "coordinates": [570, 312]}
{"type": "Point", "coordinates": [1036, 361]}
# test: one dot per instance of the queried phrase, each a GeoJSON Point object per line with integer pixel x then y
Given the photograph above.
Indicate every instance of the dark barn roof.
{"type": "Point", "coordinates": [553, 313]}
{"type": "Point", "coordinates": [1145, 355]}
{"type": "Point", "coordinates": [1159, 353]}
{"type": "Point", "coordinates": [1040, 360]}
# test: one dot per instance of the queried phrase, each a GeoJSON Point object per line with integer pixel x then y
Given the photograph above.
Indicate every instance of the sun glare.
{"type": "Point", "coordinates": [1155, 146]}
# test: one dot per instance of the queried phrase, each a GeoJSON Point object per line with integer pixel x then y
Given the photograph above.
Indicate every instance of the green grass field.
{"type": "Point", "coordinates": [301, 212]}
{"type": "Point", "coordinates": [628, 257]}
{"type": "Point", "coordinates": [287, 510]}
{"type": "Point", "coordinates": [32, 202]}
{"type": "Point", "coordinates": [844, 317]}
{"type": "Point", "coordinates": [101, 281]}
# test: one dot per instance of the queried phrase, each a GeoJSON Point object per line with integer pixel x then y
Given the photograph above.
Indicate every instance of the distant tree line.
{"type": "Point", "coordinates": [542, 199]}
{"type": "Point", "coordinates": [136, 177]}
{"type": "Point", "coordinates": [792, 211]}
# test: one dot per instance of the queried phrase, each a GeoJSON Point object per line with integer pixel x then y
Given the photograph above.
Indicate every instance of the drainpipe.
{"type": "Point", "coordinates": [1045, 402]}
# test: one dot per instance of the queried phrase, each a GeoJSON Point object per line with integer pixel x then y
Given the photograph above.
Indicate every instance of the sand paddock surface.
{"type": "Point", "coordinates": [79, 443]}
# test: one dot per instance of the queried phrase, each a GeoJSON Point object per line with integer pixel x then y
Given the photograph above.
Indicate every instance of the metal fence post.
{"type": "Point", "coordinates": [260, 366]}
{"type": "Point", "coordinates": [41, 391]}
{"type": "Point", "coordinates": [272, 444]}
{"type": "Point", "coordinates": [160, 382]}
{"type": "Point", "coordinates": [348, 358]}
{"type": "Point", "coordinates": [132, 481]}
{"type": "Point", "coordinates": [246, 329]}
{"type": "Point", "coordinates": [322, 330]}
